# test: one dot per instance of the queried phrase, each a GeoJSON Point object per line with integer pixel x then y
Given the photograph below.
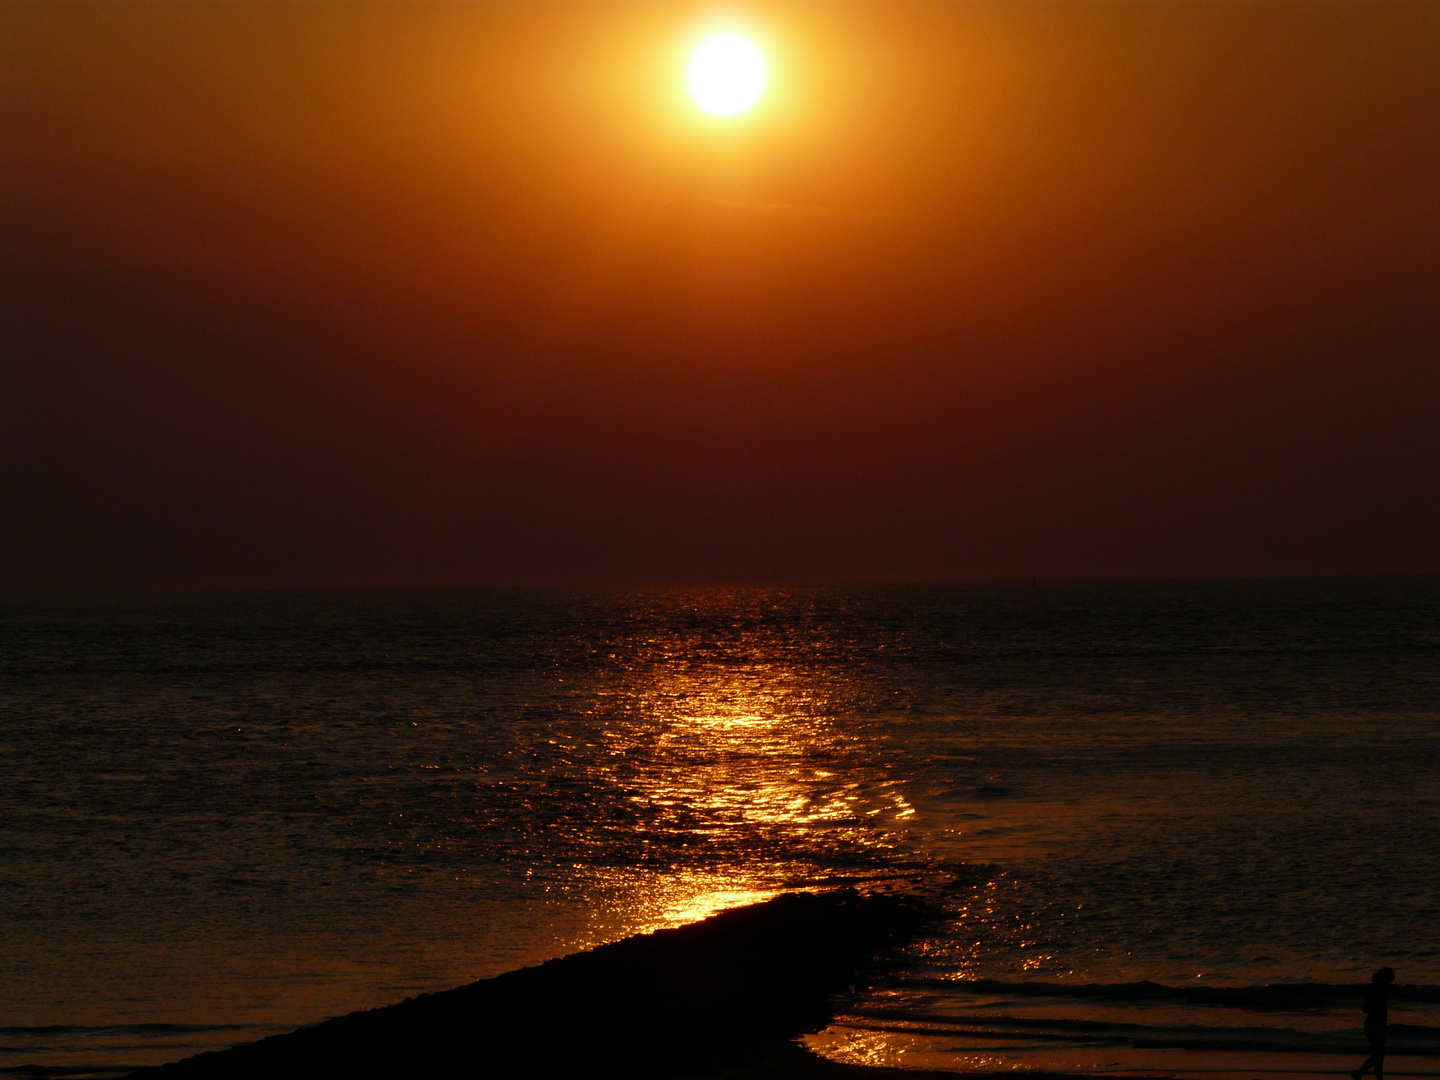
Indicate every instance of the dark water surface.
{"type": "Point", "coordinates": [226, 814]}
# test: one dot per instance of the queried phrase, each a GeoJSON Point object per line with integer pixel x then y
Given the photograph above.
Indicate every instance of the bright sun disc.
{"type": "Point", "coordinates": [726, 75]}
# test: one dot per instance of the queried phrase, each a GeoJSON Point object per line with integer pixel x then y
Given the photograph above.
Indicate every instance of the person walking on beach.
{"type": "Point", "coordinates": [1377, 1007]}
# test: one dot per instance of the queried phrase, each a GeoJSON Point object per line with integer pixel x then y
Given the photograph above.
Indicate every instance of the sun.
{"type": "Point", "coordinates": [726, 75]}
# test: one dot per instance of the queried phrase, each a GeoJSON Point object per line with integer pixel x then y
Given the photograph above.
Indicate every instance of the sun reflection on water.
{"type": "Point", "coordinates": [744, 779]}
{"type": "Point", "coordinates": [753, 748]}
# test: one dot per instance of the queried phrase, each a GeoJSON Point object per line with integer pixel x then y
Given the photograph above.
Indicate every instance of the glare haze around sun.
{"type": "Point", "coordinates": [726, 74]}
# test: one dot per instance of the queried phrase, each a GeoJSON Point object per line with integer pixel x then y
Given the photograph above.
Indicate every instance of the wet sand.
{"type": "Point", "coordinates": [794, 1062]}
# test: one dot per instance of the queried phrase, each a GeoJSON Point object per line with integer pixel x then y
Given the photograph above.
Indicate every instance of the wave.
{"type": "Point", "coordinates": [110, 1050]}
{"type": "Point", "coordinates": [1406, 1040]}
{"type": "Point", "coordinates": [1281, 997]}
{"type": "Point", "coordinates": [126, 1029]}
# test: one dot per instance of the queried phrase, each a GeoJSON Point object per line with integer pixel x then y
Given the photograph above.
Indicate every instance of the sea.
{"type": "Point", "coordinates": [1169, 828]}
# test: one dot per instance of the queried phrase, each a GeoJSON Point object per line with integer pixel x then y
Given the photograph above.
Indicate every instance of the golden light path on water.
{"type": "Point", "coordinates": [746, 768]}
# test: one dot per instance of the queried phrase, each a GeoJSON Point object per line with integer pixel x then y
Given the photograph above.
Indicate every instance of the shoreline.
{"type": "Point", "coordinates": [726, 998]}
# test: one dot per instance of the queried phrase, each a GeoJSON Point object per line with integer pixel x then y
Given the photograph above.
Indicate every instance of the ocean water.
{"type": "Point", "coordinates": [1172, 826]}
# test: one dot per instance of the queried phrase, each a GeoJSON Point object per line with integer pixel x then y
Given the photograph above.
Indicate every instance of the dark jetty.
{"type": "Point", "coordinates": [705, 998]}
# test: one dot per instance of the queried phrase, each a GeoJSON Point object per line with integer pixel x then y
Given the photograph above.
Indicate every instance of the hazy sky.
{"type": "Point", "coordinates": [423, 293]}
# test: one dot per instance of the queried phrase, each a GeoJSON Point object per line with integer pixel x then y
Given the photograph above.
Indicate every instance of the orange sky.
{"type": "Point", "coordinates": [393, 293]}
